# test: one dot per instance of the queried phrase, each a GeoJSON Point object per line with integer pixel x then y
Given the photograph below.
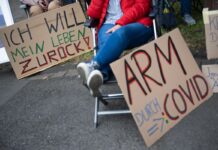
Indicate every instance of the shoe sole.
{"type": "Point", "coordinates": [82, 70]}
{"type": "Point", "coordinates": [94, 83]}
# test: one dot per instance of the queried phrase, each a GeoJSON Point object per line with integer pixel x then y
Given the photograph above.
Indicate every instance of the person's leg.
{"type": "Point", "coordinates": [186, 7]}
{"type": "Point", "coordinates": [35, 10]}
{"type": "Point", "coordinates": [110, 48]}
{"type": "Point", "coordinates": [102, 39]}
{"type": "Point", "coordinates": [103, 36]}
{"type": "Point", "coordinates": [129, 36]}
{"type": "Point", "coordinates": [84, 69]}
{"type": "Point", "coordinates": [111, 45]}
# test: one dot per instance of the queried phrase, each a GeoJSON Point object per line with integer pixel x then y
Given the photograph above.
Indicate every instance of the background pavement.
{"type": "Point", "coordinates": [53, 111]}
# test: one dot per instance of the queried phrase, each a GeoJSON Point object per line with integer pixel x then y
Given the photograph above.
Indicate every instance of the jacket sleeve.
{"type": "Point", "coordinates": [95, 9]}
{"type": "Point", "coordinates": [138, 10]}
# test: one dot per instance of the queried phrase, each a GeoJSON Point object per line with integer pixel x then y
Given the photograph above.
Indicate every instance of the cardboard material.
{"type": "Point", "coordinates": [161, 83]}
{"type": "Point", "coordinates": [46, 40]}
{"type": "Point", "coordinates": [211, 73]}
{"type": "Point", "coordinates": [211, 32]}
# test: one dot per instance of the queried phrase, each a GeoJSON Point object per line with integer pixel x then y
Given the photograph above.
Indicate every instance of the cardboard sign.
{"type": "Point", "coordinates": [211, 32]}
{"type": "Point", "coordinates": [161, 83]}
{"type": "Point", "coordinates": [211, 73]}
{"type": "Point", "coordinates": [46, 39]}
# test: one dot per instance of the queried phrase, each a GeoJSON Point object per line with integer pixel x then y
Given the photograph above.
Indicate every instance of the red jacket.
{"type": "Point", "coordinates": [133, 11]}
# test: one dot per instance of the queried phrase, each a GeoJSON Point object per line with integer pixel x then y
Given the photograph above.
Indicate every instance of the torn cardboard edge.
{"type": "Point", "coordinates": [206, 13]}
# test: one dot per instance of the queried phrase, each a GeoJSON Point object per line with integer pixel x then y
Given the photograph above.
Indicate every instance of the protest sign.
{"type": "Point", "coordinates": [211, 32]}
{"type": "Point", "coordinates": [46, 39]}
{"type": "Point", "coordinates": [161, 83]}
{"type": "Point", "coordinates": [211, 73]}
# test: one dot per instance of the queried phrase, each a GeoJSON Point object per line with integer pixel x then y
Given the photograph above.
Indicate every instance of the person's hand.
{"type": "Point", "coordinates": [113, 29]}
{"type": "Point", "coordinates": [44, 4]}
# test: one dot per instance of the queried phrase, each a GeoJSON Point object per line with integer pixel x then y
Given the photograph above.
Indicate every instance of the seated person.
{"type": "Point", "coordinates": [186, 7]}
{"type": "Point", "coordinates": [123, 24]}
{"type": "Point", "coordinates": [40, 6]}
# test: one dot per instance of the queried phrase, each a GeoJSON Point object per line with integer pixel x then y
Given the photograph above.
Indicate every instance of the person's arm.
{"type": "Point", "coordinates": [139, 9]}
{"type": "Point", "coordinates": [44, 4]}
{"type": "Point", "coordinates": [95, 9]}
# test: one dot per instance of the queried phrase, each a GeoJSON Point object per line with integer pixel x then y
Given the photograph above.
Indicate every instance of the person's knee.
{"type": "Point", "coordinates": [54, 4]}
{"type": "Point", "coordinates": [35, 10]}
{"type": "Point", "coordinates": [120, 33]}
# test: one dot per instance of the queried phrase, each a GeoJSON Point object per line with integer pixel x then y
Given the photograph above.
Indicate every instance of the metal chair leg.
{"type": "Point", "coordinates": [104, 99]}
{"type": "Point", "coordinates": [96, 112]}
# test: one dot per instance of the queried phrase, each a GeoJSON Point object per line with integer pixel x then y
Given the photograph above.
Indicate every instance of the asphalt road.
{"type": "Point", "coordinates": [53, 111]}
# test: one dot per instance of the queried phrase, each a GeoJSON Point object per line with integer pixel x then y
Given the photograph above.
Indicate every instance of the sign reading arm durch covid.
{"type": "Point", "coordinates": [161, 83]}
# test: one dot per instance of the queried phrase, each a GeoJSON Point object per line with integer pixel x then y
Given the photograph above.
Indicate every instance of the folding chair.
{"type": "Point", "coordinates": [105, 99]}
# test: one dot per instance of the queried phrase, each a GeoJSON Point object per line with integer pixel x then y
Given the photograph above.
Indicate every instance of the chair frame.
{"type": "Point", "coordinates": [105, 99]}
{"type": "Point", "coordinates": [25, 8]}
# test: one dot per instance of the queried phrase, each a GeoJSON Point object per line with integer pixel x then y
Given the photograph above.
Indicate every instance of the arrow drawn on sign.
{"type": "Point", "coordinates": [154, 128]}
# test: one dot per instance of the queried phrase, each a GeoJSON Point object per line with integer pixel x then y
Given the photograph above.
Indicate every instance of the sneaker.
{"type": "Point", "coordinates": [84, 69]}
{"type": "Point", "coordinates": [94, 82]}
{"type": "Point", "coordinates": [188, 19]}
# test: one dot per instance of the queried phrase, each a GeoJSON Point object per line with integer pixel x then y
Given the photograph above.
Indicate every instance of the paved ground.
{"type": "Point", "coordinates": [52, 111]}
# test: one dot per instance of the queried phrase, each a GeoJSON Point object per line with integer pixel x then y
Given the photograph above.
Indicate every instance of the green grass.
{"type": "Point", "coordinates": [194, 35]}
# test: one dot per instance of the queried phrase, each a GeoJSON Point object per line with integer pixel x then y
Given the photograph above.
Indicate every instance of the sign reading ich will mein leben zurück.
{"type": "Point", "coordinates": [47, 39]}
{"type": "Point", "coordinates": [161, 83]}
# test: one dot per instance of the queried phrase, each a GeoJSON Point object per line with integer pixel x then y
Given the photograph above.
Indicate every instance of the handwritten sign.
{"type": "Point", "coordinates": [161, 83]}
{"type": "Point", "coordinates": [211, 32]}
{"type": "Point", "coordinates": [211, 73]}
{"type": "Point", "coordinates": [46, 40]}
